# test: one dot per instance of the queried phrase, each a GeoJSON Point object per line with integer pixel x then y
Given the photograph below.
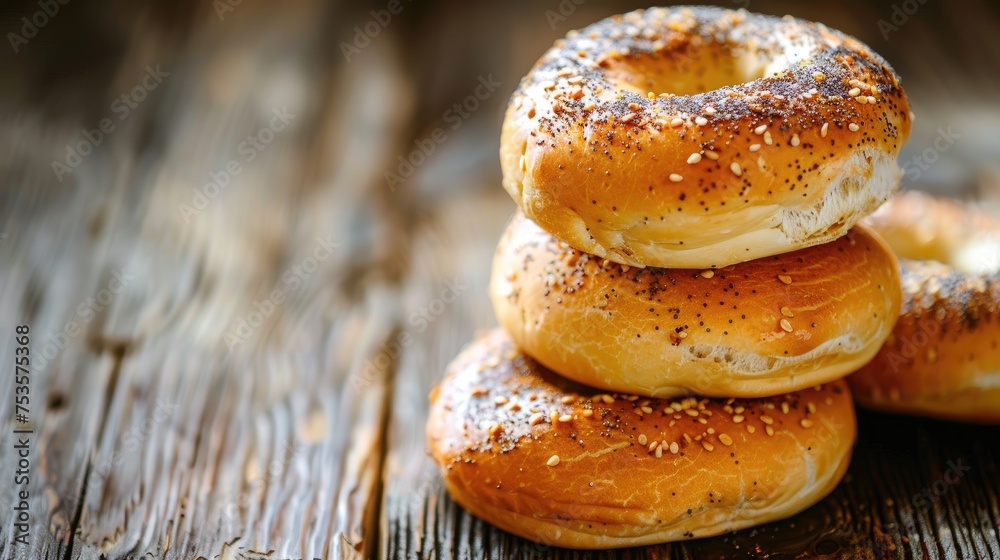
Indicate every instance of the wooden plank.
{"type": "Point", "coordinates": [182, 440]}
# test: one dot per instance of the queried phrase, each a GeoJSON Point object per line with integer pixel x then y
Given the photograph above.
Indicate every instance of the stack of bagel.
{"type": "Point", "coordinates": [685, 283]}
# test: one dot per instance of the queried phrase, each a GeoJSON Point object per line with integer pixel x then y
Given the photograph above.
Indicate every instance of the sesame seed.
{"type": "Point", "coordinates": [676, 178]}
{"type": "Point", "coordinates": [674, 448]}
{"type": "Point", "coordinates": [811, 407]}
{"type": "Point", "coordinates": [535, 419]}
{"type": "Point", "coordinates": [760, 129]}
{"type": "Point", "coordinates": [819, 76]}
{"type": "Point", "coordinates": [478, 391]}
{"type": "Point", "coordinates": [751, 429]}
{"type": "Point", "coordinates": [694, 158]}
{"type": "Point", "coordinates": [707, 446]}
{"type": "Point", "coordinates": [786, 279]}
{"type": "Point", "coordinates": [659, 451]}
{"type": "Point", "coordinates": [646, 409]}
{"type": "Point", "coordinates": [784, 407]}
{"type": "Point", "coordinates": [787, 312]}
{"type": "Point", "coordinates": [691, 412]}
{"type": "Point", "coordinates": [642, 439]}
{"type": "Point", "coordinates": [687, 438]}
{"type": "Point", "coordinates": [575, 80]}
{"type": "Point", "coordinates": [652, 446]}
{"type": "Point", "coordinates": [553, 461]}
{"type": "Point", "coordinates": [769, 430]}
{"type": "Point", "coordinates": [853, 127]}
{"type": "Point", "coordinates": [553, 416]}
{"type": "Point", "coordinates": [587, 413]}
{"type": "Point", "coordinates": [608, 399]}
{"type": "Point", "coordinates": [795, 140]}
{"type": "Point", "coordinates": [549, 84]}
{"type": "Point", "coordinates": [676, 121]}
{"type": "Point", "coordinates": [577, 93]}
{"type": "Point", "coordinates": [712, 156]}
{"type": "Point", "coordinates": [725, 439]}
{"type": "Point", "coordinates": [823, 129]}
{"type": "Point", "coordinates": [501, 400]}
{"type": "Point", "coordinates": [785, 325]}
{"type": "Point", "coordinates": [633, 106]}
{"type": "Point", "coordinates": [861, 99]}
{"type": "Point", "coordinates": [707, 273]}
{"type": "Point", "coordinates": [736, 169]}
{"type": "Point", "coordinates": [567, 399]}
{"type": "Point", "coordinates": [871, 100]}
{"type": "Point", "coordinates": [514, 406]}
{"type": "Point", "coordinates": [495, 428]}
{"type": "Point", "coordinates": [754, 147]}
{"type": "Point", "coordinates": [650, 95]}
{"type": "Point", "coordinates": [682, 334]}
{"type": "Point", "coordinates": [854, 92]}
{"type": "Point", "coordinates": [709, 110]}
{"type": "Point", "coordinates": [766, 419]}
{"type": "Point", "coordinates": [738, 418]}
{"type": "Point", "coordinates": [700, 121]}
{"type": "Point", "coordinates": [767, 137]}
{"type": "Point", "coordinates": [590, 106]}
{"type": "Point", "coordinates": [566, 418]}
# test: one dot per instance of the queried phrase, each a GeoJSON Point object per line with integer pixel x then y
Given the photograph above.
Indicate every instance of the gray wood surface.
{"type": "Point", "coordinates": [243, 372]}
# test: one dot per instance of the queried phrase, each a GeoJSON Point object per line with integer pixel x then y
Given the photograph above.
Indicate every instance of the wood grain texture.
{"type": "Point", "coordinates": [219, 405]}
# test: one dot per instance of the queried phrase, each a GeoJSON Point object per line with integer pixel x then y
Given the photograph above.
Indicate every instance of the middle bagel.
{"type": "Point", "coordinates": [759, 328]}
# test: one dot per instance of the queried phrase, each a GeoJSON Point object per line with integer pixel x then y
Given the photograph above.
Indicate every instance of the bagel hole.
{"type": "Point", "coordinates": [687, 69]}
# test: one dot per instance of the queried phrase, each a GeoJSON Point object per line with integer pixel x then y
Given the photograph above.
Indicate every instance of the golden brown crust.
{"type": "Point", "coordinates": [626, 472]}
{"type": "Point", "coordinates": [760, 328]}
{"type": "Point", "coordinates": [943, 358]}
{"type": "Point", "coordinates": [752, 168]}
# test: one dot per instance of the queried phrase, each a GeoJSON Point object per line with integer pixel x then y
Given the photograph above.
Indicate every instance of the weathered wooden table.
{"type": "Point", "coordinates": [236, 316]}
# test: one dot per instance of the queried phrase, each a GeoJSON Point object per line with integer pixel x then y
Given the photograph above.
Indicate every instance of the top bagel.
{"type": "Point", "coordinates": [703, 137]}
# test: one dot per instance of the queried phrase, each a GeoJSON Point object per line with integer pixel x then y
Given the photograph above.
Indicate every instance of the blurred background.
{"type": "Point", "coordinates": [248, 236]}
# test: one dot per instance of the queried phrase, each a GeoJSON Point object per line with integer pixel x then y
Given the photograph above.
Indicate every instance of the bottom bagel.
{"type": "Point", "coordinates": [562, 464]}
